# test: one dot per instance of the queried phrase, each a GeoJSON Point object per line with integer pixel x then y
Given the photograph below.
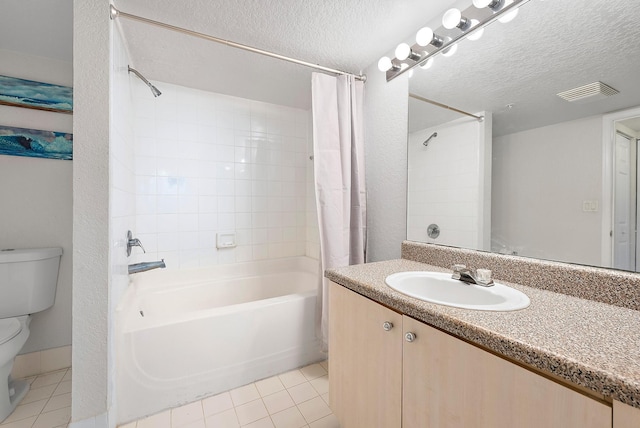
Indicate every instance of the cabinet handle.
{"type": "Point", "coordinates": [387, 325]}
{"type": "Point", "coordinates": [410, 337]}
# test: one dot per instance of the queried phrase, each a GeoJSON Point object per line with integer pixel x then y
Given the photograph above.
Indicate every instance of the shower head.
{"type": "Point", "coordinates": [426, 142]}
{"type": "Point", "coordinates": [154, 90]}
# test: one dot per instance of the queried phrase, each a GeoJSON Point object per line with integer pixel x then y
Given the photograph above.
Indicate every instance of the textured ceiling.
{"type": "Point", "coordinates": [550, 47]}
{"type": "Point", "coordinates": [346, 35]}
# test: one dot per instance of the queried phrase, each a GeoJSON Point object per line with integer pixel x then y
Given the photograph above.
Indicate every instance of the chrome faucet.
{"type": "Point", "coordinates": [133, 242]}
{"type": "Point", "coordinates": [480, 277]}
{"type": "Point", "coordinates": [145, 266]}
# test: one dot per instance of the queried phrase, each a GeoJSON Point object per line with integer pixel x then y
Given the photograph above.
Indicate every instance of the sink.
{"type": "Point", "coordinates": [440, 288]}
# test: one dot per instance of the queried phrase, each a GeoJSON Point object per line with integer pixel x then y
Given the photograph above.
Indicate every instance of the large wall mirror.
{"type": "Point", "coordinates": [541, 176]}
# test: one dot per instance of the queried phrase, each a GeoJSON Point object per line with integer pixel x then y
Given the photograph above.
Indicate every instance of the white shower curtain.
{"type": "Point", "coordinates": [338, 154]}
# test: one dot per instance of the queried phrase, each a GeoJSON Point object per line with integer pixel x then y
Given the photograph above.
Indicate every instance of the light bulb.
{"type": "Point", "coordinates": [384, 64]}
{"type": "Point", "coordinates": [478, 33]}
{"type": "Point", "coordinates": [494, 5]}
{"type": "Point", "coordinates": [424, 36]}
{"type": "Point", "coordinates": [509, 16]}
{"type": "Point", "coordinates": [451, 50]}
{"type": "Point", "coordinates": [403, 51]}
{"type": "Point", "coordinates": [451, 19]}
{"type": "Point", "coordinates": [426, 65]}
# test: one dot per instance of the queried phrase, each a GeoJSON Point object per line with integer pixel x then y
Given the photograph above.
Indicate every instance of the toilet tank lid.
{"type": "Point", "coordinates": [28, 254]}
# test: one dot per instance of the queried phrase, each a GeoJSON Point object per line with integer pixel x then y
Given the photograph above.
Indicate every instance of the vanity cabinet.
{"type": "Point", "coordinates": [380, 379]}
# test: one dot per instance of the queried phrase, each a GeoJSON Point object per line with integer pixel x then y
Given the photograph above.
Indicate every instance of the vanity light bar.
{"type": "Point", "coordinates": [423, 54]}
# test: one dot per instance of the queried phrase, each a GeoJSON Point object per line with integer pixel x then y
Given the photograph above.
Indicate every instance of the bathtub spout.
{"type": "Point", "coordinates": [145, 266]}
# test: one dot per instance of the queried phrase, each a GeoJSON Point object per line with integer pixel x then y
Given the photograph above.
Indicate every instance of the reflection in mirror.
{"type": "Point", "coordinates": [540, 176]}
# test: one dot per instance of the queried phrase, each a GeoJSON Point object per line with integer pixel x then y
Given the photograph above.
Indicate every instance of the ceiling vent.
{"type": "Point", "coordinates": [591, 92]}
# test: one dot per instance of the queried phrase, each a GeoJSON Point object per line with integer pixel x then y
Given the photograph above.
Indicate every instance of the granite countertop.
{"type": "Point", "coordinates": [588, 343]}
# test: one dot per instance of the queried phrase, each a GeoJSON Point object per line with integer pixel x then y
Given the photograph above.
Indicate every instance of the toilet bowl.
{"type": "Point", "coordinates": [28, 281]}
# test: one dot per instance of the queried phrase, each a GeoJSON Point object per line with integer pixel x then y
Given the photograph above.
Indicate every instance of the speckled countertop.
{"type": "Point", "coordinates": [588, 343]}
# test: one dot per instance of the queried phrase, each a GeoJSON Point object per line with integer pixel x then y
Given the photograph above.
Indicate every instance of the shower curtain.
{"type": "Point", "coordinates": [339, 179]}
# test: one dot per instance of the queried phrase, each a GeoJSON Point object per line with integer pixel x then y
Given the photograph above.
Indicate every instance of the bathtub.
{"type": "Point", "coordinates": [185, 335]}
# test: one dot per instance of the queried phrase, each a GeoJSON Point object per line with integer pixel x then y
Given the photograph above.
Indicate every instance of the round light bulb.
{"type": "Point", "coordinates": [424, 36]}
{"type": "Point", "coordinates": [509, 16]}
{"type": "Point", "coordinates": [451, 19]}
{"type": "Point", "coordinates": [427, 64]}
{"type": "Point", "coordinates": [384, 64]}
{"type": "Point", "coordinates": [482, 3]}
{"type": "Point", "coordinates": [403, 51]}
{"type": "Point", "coordinates": [478, 33]}
{"type": "Point", "coordinates": [451, 50]}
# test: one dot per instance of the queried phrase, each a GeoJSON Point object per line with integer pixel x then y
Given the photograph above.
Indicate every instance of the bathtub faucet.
{"type": "Point", "coordinates": [145, 266]}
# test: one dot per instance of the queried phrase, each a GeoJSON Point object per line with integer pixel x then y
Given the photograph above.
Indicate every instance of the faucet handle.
{"type": "Point", "coordinates": [457, 268]}
{"type": "Point", "coordinates": [133, 242]}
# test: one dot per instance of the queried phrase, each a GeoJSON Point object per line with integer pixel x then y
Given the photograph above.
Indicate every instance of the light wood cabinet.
{"type": "Point", "coordinates": [379, 379]}
{"type": "Point", "coordinates": [625, 416]}
{"type": "Point", "coordinates": [365, 362]}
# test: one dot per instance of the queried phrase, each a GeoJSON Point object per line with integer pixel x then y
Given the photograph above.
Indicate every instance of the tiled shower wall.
{"type": "Point", "coordinates": [208, 163]}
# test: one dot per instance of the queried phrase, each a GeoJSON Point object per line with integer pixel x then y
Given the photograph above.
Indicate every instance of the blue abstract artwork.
{"type": "Point", "coordinates": [37, 95]}
{"type": "Point", "coordinates": [35, 143]}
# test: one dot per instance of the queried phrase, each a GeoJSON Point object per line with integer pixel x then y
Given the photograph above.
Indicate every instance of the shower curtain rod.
{"type": "Point", "coordinates": [115, 13]}
{"type": "Point", "coordinates": [435, 103]}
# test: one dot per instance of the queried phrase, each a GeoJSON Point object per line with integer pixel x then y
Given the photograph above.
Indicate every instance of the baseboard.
{"type": "Point", "coordinates": [35, 363]}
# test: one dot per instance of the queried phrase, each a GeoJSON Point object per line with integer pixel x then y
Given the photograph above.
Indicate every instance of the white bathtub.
{"type": "Point", "coordinates": [184, 335]}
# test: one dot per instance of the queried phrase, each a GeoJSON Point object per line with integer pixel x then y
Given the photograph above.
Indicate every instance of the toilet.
{"type": "Point", "coordinates": [28, 280]}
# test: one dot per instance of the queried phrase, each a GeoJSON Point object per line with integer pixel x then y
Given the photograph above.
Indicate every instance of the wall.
{"type": "Point", "coordinates": [209, 163]}
{"type": "Point", "coordinates": [37, 195]}
{"type": "Point", "coordinates": [447, 184]}
{"type": "Point", "coordinates": [91, 269]}
{"type": "Point", "coordinates": [530, 208]}
{"type": "Point", "coordinates": [385, 136]}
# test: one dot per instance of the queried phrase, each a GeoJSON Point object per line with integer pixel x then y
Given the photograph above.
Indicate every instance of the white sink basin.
{"type": "Point", "coordinates": [436, 287]}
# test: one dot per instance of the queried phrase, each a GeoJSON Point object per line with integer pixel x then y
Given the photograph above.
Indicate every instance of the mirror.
{"type": "Point", "coordinates": [541, 176]}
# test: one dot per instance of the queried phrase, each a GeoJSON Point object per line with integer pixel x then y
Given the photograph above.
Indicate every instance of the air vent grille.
{"type": "Point", "coordinates": [591, 92]}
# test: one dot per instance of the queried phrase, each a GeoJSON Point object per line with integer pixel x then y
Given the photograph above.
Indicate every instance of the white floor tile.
{"type": "Point", "coordinates": [320, 384]}
{"type": "Point", "coordinates": [68, 375]}
{"type": "Point", "coordinates": [38, 394]}
{"type": "Point", "coordinates": [63, 388]}
{"type": "Point", "coordinates": [262, 423]}
{"type": "Point", "coordinates": [244, 394]}
{"type": "Point", "coordinates": [54, 418]}
{"type": "Point", "coordinates": [58, 402]}
{"type": "Point", "coordinates": [325, 397]}
{"type": "Point", "coordinates": [226, 419]}
{"type": "Point", "coordinates": [313, 371]}
{"type": "Point", "coordinates": [302, 392]}
{"type": "Point", "coordinates": [327, 422]}
{"type": "Point", "coordinates": [159, 420]}
{"type": "Point", "coordinates": [292, 378]}
{"type": "Point", "coordinates": [269, 386]}
{"type": "Point", "coordinates": [186, 414]}
{"type": "Point", "coordinates": [278, 402]}
{"type": "Point", "coordinates": [22, 423]}
{"type": "Point", "coordinates": [48, 379]}
{"type": "Point", "coordinates": [24, 411]}
{"type": "Point", "coordinates": [289, 418]}
{"type": "Point", "coordinates": [129, 425]}
{"type": "Point", "coordinates": [251, 412]}
{"type": "Point", "coordinates": [314, 409]}
{"type": "Point", "coordinates": [325, 364]}
{"type": "Point", "coordinates": [217, 403]}
{"type": "Point", "coordinates": [197, 424]}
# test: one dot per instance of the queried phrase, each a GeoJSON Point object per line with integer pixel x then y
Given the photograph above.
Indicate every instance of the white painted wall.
{"type": "Point", "coordinates": [385, 135]}
{"type": "Point", "coordinates": [91, 240]}
{"type": "Point", "coordinates": [208, 163]}
{"type": "Point", "coordinates": [36, 195]}
{"type": "Point", "coordinates": [450, 183]}
{"type": "Point", "coordinates": [540, 179]}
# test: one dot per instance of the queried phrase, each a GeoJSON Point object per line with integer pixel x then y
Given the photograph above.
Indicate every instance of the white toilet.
{"type": "Point", "coordinates": [28, 280]}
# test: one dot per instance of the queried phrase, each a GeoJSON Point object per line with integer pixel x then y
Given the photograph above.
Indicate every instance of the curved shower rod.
{"type": "Point", "coordinates": [115, 13]}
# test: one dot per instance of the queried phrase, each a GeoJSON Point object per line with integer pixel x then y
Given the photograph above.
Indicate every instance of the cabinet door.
{"type": "Point", "coordinates": [449, 383]}
{"type": "Point", "coordinates": [365, 361]}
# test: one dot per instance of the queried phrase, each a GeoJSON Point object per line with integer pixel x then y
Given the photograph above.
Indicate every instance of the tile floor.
{"type": "Point", "coordinates": [46, 405]}
{"type": "Point", "coordinates": [296, 399]}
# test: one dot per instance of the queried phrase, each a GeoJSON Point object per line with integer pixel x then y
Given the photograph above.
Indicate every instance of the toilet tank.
{"type": "Point", "coordinates": [28, 280]}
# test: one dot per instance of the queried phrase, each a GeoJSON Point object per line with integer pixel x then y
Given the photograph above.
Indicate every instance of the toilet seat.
{"type": "Point", "coordinates": [9, 328]}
